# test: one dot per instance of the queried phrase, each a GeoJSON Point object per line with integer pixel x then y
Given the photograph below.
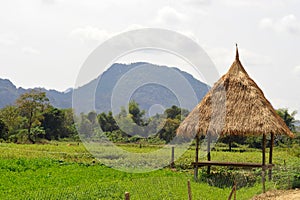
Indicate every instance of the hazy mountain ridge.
{"type": "Point", "coordinates": [146, 95]}
{"type": "Point", "coordinates": [9, 93]}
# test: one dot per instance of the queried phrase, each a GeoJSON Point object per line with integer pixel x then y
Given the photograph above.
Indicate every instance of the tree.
{"type": "Point", "coordinates": [125, 123]}
{"type": "Point", "coordinates": [136, 113]}
{"type": "Point", "coordinates": [174, 116]}
{"type": "Point", "coordinates": [92, 116]}
{"type": "Point", "coordinates": [53, 123]}
{"type": "Point", "coordinates": [176, 112]}
{"type": "Point", "coordinates": [107, 122]}
{"type": "Point", "coordinates": [85, 127]}
{"type": "Point", "coordinates": [68, 124]}
{"type": "Point", "coordinates": [11, 117]}
{"type": "Point", "coordinates": [230, 139]}
{"type": "Point", "coordinates": [31, 106]}
{"type": "Point", "coordinates": [3, 130]}
{"type": "Point", "coordinates": [168, 132]}
{"type": "Point", "coordinates": [288, 118]}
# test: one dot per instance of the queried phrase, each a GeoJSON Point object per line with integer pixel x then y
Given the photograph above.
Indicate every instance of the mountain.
{"type": "Point", "coordinates": [147, 84]}
{"type": "Point", "coordinates": [9, 93]}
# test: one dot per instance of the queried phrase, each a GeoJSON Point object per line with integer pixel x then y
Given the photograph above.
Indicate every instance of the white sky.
{"type": "Point", "coordinates": [45, 42]}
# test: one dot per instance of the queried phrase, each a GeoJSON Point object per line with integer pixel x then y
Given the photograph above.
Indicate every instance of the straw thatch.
{"type": "Point", "coordinates": [235, 105]}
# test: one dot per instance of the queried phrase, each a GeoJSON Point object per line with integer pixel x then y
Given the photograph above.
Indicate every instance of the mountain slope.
{"type": "Point", "coordinates": [146, 94]}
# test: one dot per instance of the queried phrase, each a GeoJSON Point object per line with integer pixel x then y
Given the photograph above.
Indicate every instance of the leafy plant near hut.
{"type": "Point", "coordinates": [288, 118]}
{"type": "Point", "coordinates": [224, 178]}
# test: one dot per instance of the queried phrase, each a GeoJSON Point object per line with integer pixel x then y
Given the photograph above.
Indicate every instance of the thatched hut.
{"type": "Point", "coordinates": [235, 105]}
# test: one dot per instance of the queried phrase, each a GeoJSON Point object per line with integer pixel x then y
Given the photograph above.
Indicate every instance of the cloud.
{"type": "Point", "coordinates": [8, 39]}
{"type": "Point", "coordinates": [90, 33]}
{"type": "Point", "coordinates": [289, 24]}
{"type": "Point", "coordinates": [169, 16]}
{"type": "Point", "coordinates": [254, 59]}
{"type": "Point", "coordinates": [244, 3]}
{"type": "Point", "coordinates": [198, 7]}
{"type": "Point", "coordinates": [30, 50]}
{"type": "Point", "coordinates": [197, 2]}
{"type": "Point", "coordinates": [297, 70]}
{"type": "Point", "coordinates": [49, 2]}
{"type": "Point", "coordinates": [190, 35]}
{"type": "Point", "coordinates": [133, 27]}
{"type": "Point", "coordinates": [266, 23]}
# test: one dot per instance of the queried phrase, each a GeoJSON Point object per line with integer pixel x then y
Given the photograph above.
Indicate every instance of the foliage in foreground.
{"type": "Point", "coordinates": [51, 179]}
{"type": "Point", "coordinates": [68, 171]}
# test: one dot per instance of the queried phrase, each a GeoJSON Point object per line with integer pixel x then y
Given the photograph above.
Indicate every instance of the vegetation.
{"type": "Point", "coordinates": [32, 119]}
{"type": "Point", "coordinates": [62, 170]}
{"type": "Point", "coordinates": [3, 129]}
{"type": "Point", "coordinates": [288, 118]}
{"type": "Point", "coordinates": [31, 106]}
{"type": "Point", "coordinates": [57, 166]}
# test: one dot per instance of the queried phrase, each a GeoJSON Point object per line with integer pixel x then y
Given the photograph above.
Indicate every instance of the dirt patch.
{"type": "Point", "coordinates": [279, 195]}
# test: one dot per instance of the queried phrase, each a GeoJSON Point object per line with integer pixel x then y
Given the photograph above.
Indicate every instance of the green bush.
{"type": "Point", "coordinates": [296, 150]}
{"type": "Point", "coordinates": [296, 181]}
{"type": "Point", "coordinates": [224, 177]}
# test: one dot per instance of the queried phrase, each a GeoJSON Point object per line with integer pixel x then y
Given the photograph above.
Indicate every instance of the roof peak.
{"type": "Point", "coordinates": [237, 52]}
{"type": "Point", "coordinates": [236, 66]}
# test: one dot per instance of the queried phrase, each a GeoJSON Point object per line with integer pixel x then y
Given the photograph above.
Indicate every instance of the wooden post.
{"type": "Point", "coordinates": [127, 196]}
{"type": "Point", "coordinates": [172, 165]}
{"type": "Point", "coordinates": [271, 156]}
{"type": "Point", "coordinates": [230, 143]}
{"type": "Point", "coordinates": [263, 174]}
{"type": "Point", "coordinates": [233, 192]}
{"type": "Point", "coordinates": [208, 151]}
{"type": "Point", "coordinates": [196, 158]}
{"type": "Point", "coordinates": [264, 150]}
{"type": "Point", "coordinates": [234, 197]}
{"type": "Point", "coordinates": [264, 163]}
{"type": "Point", "coordinates": [189, 190]}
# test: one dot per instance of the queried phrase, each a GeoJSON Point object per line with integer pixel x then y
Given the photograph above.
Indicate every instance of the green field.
{"type": "Point", "coordinates": [68, 171]}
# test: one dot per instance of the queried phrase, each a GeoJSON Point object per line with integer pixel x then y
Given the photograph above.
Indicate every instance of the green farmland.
{"type": "Point", "coordinates": [67, 171]}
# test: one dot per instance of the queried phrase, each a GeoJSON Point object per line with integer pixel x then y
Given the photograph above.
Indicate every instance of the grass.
{"type": "Point", "coordinates": [63, 171]}
{"type": "Point", "coordinates": [49, 179]}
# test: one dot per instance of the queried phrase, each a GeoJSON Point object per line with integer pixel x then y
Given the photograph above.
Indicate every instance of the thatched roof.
{"type": "Point", "coordinates": [235, 105]}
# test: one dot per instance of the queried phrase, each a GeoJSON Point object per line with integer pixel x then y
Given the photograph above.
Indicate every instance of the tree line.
{"type": "Point", "coordinates": [132, 125]}
{"type": "Point", "coordinates": [32, 119]}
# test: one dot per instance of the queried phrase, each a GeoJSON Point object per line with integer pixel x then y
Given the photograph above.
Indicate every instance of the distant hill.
{"type": "Point", "coordinates": [145, 95]}
{"type": "Point", "coordinates": [9, 93]}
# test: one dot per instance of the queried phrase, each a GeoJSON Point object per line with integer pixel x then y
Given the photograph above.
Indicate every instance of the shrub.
{"type": "Point", "coordinates": [296, 181]}
{"type": "Point", "coordinates": [223, 177]}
